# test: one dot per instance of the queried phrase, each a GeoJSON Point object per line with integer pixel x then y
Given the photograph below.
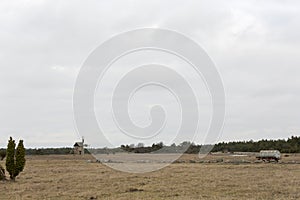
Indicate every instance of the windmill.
{"type": "Point", "coordinates": [79, 147]}
{"type": "Point", "coordinates": [84, 145]}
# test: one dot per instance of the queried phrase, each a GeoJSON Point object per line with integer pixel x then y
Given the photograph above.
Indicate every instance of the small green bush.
{"type": "Point", "coordinates": [2, 173]}
{"type": "Point", "coordinates": [2, 154]}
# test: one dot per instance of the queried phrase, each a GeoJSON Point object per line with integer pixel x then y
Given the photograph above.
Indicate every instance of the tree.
{"type": "Point", "coordinates": [15, 158]}
{"type": "Point", "coordinates": [20, 158]}
{"type": "Point", "coordinates": [10, 158]}
{"type": "Point", "coordinates": [140, 145]}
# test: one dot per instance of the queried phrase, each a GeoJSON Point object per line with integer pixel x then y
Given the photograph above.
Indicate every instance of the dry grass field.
{"type": "Point", "coordinates": [72, 177]}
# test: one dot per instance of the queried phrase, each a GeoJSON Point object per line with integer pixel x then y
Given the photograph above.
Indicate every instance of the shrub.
{"type": "Point", "coordinates": [10, 158]}
{"type": "Point", "coordinates": [15, 160]}
{"type": "Point", "coordinates": [2, 173]}
{"type": "Point", "coordinates": [20, 158]}
{"type": "Point", "coordinates": [2, 154]}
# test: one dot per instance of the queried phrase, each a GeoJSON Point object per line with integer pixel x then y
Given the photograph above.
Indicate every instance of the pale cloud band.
{"type": "Point", "coordinates": [43, 44]}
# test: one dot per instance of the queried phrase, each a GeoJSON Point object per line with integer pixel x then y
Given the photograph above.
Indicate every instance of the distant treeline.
{"type": "Point", "coordinates": [291, 145]}
{"type": "Point", "coordinates": [48, 151]}
{"type": "Point", "coordinates": [141, 149]}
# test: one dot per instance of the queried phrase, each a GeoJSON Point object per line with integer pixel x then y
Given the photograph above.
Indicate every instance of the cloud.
{"type": "Point", "coordinates": [254, 44]}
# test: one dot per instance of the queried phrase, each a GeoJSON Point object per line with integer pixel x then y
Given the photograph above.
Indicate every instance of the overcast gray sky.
{"type": "Point", "coordinates": [254, 44]}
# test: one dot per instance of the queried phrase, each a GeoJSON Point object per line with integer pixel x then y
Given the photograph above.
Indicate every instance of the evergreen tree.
{"type": "Point", "coordinates": [15, 158]}
{"type": "Point", "coordinates": [20, 158]}
{"type": "Point", "coordinates": [10, 158]}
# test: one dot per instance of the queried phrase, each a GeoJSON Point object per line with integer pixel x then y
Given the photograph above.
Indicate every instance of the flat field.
{"type": "Point", "coordinates": [213, 177]}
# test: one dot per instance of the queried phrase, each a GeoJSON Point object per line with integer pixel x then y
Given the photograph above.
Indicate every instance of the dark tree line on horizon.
{"type": "Point", "coordinates": [290, 145]}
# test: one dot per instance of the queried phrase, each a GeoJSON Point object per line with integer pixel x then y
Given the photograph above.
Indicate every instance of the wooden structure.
{"type": "Point", "coordinates": [79, 148]}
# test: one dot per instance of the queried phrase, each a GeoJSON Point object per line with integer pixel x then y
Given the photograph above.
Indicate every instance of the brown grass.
{"type": "Point", "coordinates": [71, 177]}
